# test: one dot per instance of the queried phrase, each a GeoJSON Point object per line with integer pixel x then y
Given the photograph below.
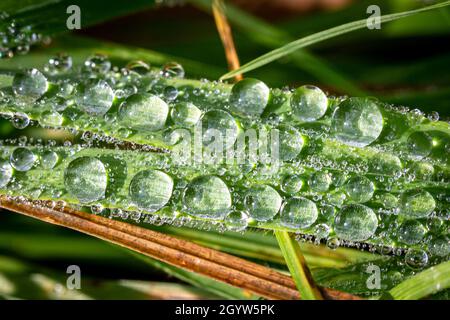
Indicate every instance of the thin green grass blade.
{"type": "Point", "coordinates": [272, 37]}
{"type": "Point", "coordinates": [322, 36]}
{"type": "Point", "coordinates": [423, 284]}
{"type": "Point", "coordinates": [297, 267]}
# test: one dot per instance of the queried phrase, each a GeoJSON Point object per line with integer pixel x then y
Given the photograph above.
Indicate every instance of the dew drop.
{"type": "Point", "coordinates": [355, 222]}
{"type": "Point", "coordinates": [86, 179]}
{"type": "Point", "coordinates": [20, 121]}
{"type": "Point", "coordinates": [173, 70]}
{"type": "Point", "coordinates": [22, 159]}
{"type": "Point", "coordinates": [30, 84]}
{"type": "Point", "coordinates": [333, 243]}
{"type": "Point", "coordinates": [236, 221]}
{"type": "Point", "coordinates": [49, 159]}
{"type": "Point", "coordinates": [417, 203]}
{"type": "Point", "coordinates": [320, 181]}
{"type": "Point", "coordinates": [308, 103]}
{"type": "Point", "coordinates": [51, 119]}
{"type": "Point", "coordinates": [290, 143]}
{"type": "Point", "coordinates": [411, 232]}
{"type": "Point", "coordinates": [95, 97]}
{"type": "Point", "coordinates": [219, 122]}
{"type": "Point", "coordinates": [357, 122]}
{"type": "Point", "coordinates": [291, 184]}
{"type": "Point", "coordinates": [207, 197]}
{"type": "Point", "coordinates": [143, 111]}
{"type": "Point", "coordinates": [249, 97]}
{"type": "Point", "coordinates": [151, 189]}
{"type": "Point", "coordinates": [416, 259]}
{"type": "Point", "coordinates": [262, 202]}
{"type": "Point", "coordinates": [58, 64]}
{"type": "Point", "coordinates": [360, 189]}
{"type": "Point", "coordinates": [6, 173]}
{"type": "Point", "coordinates": [98, 63]}
{"type": "Point", "coordinates": [185, 114]}
{"type": "Point", "coordinates": [440, 247]}
{"type": "Point", "coordinates": [419, 145]}
{"type": "Point", "coordinates": [298, 212]}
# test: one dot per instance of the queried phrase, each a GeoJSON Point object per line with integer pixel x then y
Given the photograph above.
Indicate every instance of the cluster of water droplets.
{"type": "Point", "coordinates": [16, 38]}
{"type": "Point", "coordinates": [339, 180]}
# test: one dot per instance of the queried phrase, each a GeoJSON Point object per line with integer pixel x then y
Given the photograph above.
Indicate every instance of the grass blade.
{"type": "Point", "coordinates": [424, 283]}
{"type": "Point", "coordinates": [321, 36]}
{"type": "Point", "coordinates": [297, 266]}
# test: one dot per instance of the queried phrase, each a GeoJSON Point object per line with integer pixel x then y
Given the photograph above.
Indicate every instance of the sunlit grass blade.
{"type": "Point", "coordinates": [423, 284]}
{"type": "Point", "coordinates": [297, 267]}
{"type": "Point", "coordinates": [321, 36]}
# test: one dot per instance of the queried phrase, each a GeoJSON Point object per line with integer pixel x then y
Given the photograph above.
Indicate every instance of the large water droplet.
{"type": "Point", "coordinates": [95, 97]}
{"type": "Point", "coordinates": [417, 203]}
{"type": "Point", "coordinates": [320, 181]}
{"type": "Point", "coordinates": [411, 232]}
{"type": "Point", "coordinates": [357, 122]}
{"type": "Point", "coordinates": [308, 103]}
{"type": "Point", "coordinates": [298, 213]}
{"type": "Point", "coordinates": [6, 173]}
{"type": "Point", "coordinates": [173, 70]}
{"type": "Point", "coordinates": [249, 97]}
{"type": "Point", "coordinates": [30, 84]}
{"type": "Point", "coordinates": [86, 179]}
{"type": "Point", "coordinates": [22, 159]}
{"type": "Point", "coordinates": [360, 189]}
{"type": "Point", "coordinates": [20, 121]}
{"type": "Point", "coordinates": [262, 202]}
{"type": "Point", "coordinates": [143, 111]}
{"type": "Point", "coordinates": [218, 122]}
{"type": "Point", "coordinates": [185, 114]}
{"type": "Point", "coordinates": [419, 145]}
{"type": "Point", "coordinates": [355, 222]}
{"type": "Point", "coordinates": [290, 143]}
{"type": "Point", "coordinates": [207, 197]}
{"type": "Point", "coordinates": [151, 189]}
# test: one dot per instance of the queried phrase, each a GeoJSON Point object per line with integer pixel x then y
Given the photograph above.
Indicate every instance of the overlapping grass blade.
{"type": "Point", "coordinates": [321, 36]}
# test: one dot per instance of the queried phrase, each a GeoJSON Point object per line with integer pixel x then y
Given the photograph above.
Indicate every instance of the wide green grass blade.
{"type": "Point", "coordinates": [297, 267]}
{"type": "Point", "coordinates": [423, 284]}
{"type": "Point", "coordinates": [322, 36]}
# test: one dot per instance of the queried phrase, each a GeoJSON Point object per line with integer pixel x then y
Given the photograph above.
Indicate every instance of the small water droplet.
{"type": "Point", "coordinates": [262, 202]}
{"type": "Point", "coordinates": [355, 222]}
{"type": "Point", "coordinates": [151, 189]}
{"type": "Point", "coordinates": [249, 97]}
{"type": "Point", "coordinates": [22, 159]}
{"type": "Point", "coordinates": [298, 212]}
{"type": "Point", "coordinates": [308, 103]}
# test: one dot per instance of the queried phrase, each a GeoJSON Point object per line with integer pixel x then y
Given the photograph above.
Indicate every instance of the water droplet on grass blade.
{"type": "Point", "coordinates": [185, 114]}
{"type": "Point", "coordinates": [262, 202]}
{"type": "Point", "coordinates": [416, 259]}
{"type": "Point", "coordinates": [440, 246]}
{"type": "Point", "coordinates": [220, 122]}
{"type": "Point", "coordinates": [207, 197]}
{"type": "Point", "coordinates": [95, 97]}
{"type": "Point", "coordinates": [30, 84]}
{"type": "Point", "coordinates": [320, 181]}
{"type": "Point", "coordinates": [417, 203]}
{"type": "Point", "coordinates": [309, 103]}
{"type": "Point", "coordinates": [22, 159]}
{"type": "Point", "coordinates": [236, 221]}
{"type": "Point", "coordinates": [98, 63]}
{"type": "Point", "coordinates": [411, 232]}
{"type": "Point", "coordinates": [291, 184]}
{"type": "Point", "coordinates": [173, 70]}
{"type": "Point", "coordinates": [20, 121]}
{"type": "Point", "coordinates": [249, 97]}
{"type": "Point", "coordinates": [49, 159]}
{"type": "Point", "coordinates": [290, 143]}
{"type": "Point", "coordinates": [360, 189]}
{"type": "Point", "coordinates": [419, 145]}
{"type": "Point", "coordinates": [143, 111]}
{"type": "Point", "coordinates": [355, 222]}
{"type": "Point", "coordinates": [58, 64]}
{"type": "Point", "coordinates": [6, 173]}
{"type": "Point", "coordinates": [151, 189]}
{"type": "Point", "coordinates": [298, 213]}
{"type": "Point", "coordinates": [357, 122]}
{"type": "Point", "coordinates": [51, 119]}
{"type": "Point", "coordinates": [86, 179]}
